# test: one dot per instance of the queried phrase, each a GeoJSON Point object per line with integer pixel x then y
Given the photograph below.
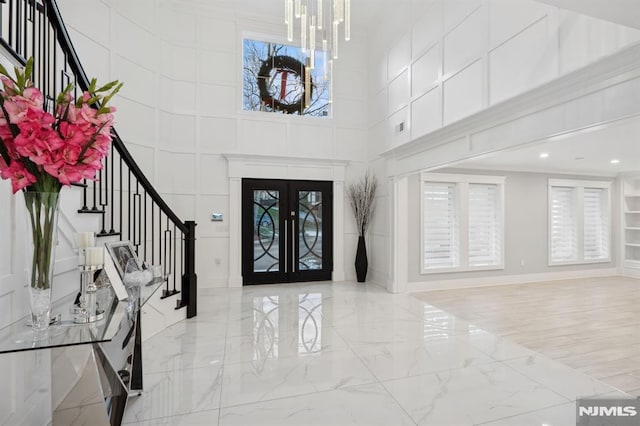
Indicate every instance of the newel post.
{"type": "Point", "coordinates": [190, 279]}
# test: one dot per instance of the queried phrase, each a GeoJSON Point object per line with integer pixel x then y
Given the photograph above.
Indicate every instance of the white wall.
{"type": "Point", "coordinates": [435, 62]}
{"type": "Point", "coordinates": [180, 109]}
{"type": "Point", "coordinates": [525, 228]}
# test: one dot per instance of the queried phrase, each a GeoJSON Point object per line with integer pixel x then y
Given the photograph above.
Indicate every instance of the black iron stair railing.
{"type": "Point", "coordinates": [128, 204]}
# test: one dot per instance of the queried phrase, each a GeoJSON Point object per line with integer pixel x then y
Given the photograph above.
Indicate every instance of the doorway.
{"type": "Point", "coordinates": [287, 231]}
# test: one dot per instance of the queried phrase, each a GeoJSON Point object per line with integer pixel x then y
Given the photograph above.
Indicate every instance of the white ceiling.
{"type": "Point", "coordinates": [623, 12]}
{"type": "Point", "coordinates": [586, 152]}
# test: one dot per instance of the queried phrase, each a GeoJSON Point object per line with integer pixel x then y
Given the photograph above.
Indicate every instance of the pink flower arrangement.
{"type": "Point", "coordinates": [41, 151]}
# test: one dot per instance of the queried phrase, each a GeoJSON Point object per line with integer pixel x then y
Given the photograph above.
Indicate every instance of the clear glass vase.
{"type": "Point", "coordinates": [42, 238]}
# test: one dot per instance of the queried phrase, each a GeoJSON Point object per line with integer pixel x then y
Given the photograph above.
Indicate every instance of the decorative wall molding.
{"type": "Point", "coordinates": [508, 280]}
{"type": "Point", "coordinates": [465, 138]}
{"type": "Point", "coordinates": [283, 167]}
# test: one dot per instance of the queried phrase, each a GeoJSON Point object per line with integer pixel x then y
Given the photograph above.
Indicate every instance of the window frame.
{"type": "Point", "coordinates": [579, 186]}
{"type": "Point", "coordinates": [462, 182]}
{"type": "Point", "coordinates": [257, 114]}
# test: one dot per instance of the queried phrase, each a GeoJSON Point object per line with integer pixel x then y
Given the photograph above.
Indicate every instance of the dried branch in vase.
{"type": "Point", "coordinates": [362, 198]}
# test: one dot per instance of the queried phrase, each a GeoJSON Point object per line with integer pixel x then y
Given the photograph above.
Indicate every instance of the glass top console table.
{"type": "Point", "coordinates": [115, 341]}
{"type": "Point", "coordinates": [18, 336]}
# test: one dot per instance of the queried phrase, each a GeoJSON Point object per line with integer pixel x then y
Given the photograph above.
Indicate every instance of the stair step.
{"type": "Point", "coordinates": [79, 185]}
{"type": "Point", "coordinates": [108, 234]}
{"type": "Point", "coordinates": [91, 211]}
{"type": "Point", "coordinates": [180, 305]}
{"type": "Point", "coordinates": [168, 293]}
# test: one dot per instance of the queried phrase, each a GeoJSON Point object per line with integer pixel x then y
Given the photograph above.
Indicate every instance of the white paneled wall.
{"type": "Point", "coordinates": [462, 56]}
{"type": "Point", "coordinates": [463, 93]}
{"type": "Point", "coordinates": [180, 109]}
{"type": "Point", "coordinates": [522, 62]}
{"type": "Point", "coordinates": [435, 62]}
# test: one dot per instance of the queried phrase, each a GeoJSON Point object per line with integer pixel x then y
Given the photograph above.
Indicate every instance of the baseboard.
{"type": "Point", "coordinates": [378, 277]}
{"type": "Point", "coordinates": [631, 272]}
{"type": "Point", "coordinates": [508, 279]}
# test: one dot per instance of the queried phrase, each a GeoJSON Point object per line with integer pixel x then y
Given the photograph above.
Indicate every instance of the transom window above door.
{"type": "Point", "coordinates": [462, 225]}
{"type": "Point", "coordinates": [277, 79]}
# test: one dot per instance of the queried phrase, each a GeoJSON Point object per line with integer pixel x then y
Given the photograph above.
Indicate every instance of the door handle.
{"type": "Point", "coordinates": [294, 237]}
{"type": "Point", "coordinates": [286, 239]}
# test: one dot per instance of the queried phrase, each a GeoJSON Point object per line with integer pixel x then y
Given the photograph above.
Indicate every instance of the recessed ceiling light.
{"type": "Point", "coordinates": [544, 154]}
{"type": "Point", "coordinates": [615, 161]}
{"type": "Point", "coordinates": [579, 158]}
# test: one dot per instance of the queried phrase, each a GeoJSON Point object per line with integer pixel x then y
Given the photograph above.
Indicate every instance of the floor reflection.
{"type": "Point", "coordinates": [440, 324]}
{"type": "Point", "coordinates": [309, 323]}
{"type": "Point", "coordinates": [265, 328]}
{"type": "Point", "coordinates": [276, 318]}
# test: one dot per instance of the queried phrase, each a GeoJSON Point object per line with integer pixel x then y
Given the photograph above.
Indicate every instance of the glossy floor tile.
{"type": "Point", "coordinates": [347, 354]}
{"type": "Point", "coordinates": [470, 395]}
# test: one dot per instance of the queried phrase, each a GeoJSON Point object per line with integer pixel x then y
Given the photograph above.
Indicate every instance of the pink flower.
{"type": "Point", "coordinates": [68, 174]}
{"type": "Point", "coordinates": [72, 134]}
{"type": "Point", "coordinates": [37, 140]}
{"type": "Point", "coordinates": [66, 110]}
{"type": "Point", "coordinates": [71, 154]}
{"type": "Point", "coordinates": [19, 175]}
{"type": "Point", "coordinates": [9, 86]}
{"type": "Point", "coordinates": [17, 106]}
{"type": "Point", "coordinates": [69, 146]}
{"type": "Point", "coordinates": [5, 131]}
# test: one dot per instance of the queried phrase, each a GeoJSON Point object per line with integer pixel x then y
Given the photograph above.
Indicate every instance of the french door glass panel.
{"type": "Point", "coordinates": [310, 230]}
{"type": "Point", "coordinates": [287, 230]}
{"type": "Point", "coordinates": [266, 231]}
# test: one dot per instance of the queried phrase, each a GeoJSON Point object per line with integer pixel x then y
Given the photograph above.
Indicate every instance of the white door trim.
{"type": "Point", "coordinates": [276, 167]}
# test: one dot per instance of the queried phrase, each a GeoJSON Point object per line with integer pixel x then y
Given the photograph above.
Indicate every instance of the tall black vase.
{"type": "Point", "coordinates": [361, 260]}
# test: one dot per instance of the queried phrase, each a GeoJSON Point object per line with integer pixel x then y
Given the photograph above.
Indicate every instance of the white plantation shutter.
{"type": "Point", "coordinates": [563, 224]}
{"type": "Point", "coordinates": [485, 229]}
{"type": "Point", "coordinates": [440, 225]}
{"type": "Point", "coordinates": [596, 224]}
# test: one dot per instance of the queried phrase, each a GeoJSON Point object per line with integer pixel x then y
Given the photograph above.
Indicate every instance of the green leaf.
{"type": "Point", "coordinates": [4, 72]}
{"type": "Point", "coordinates": [61, 97]}
{"type": "Point", "coordinates": [28, 69]}
{"type": "Point", "coordinates": [92, 86]}
{"type": "Point", "coordinates": [92, 100]}
{"type": "Point", "coordinates": [20, 78]}
{"type": "Point", "coordinates": [108, 98]}
{"type": "Point", "coordinates": [107, 86]}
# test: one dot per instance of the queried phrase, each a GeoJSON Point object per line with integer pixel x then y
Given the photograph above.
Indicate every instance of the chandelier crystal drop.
{"type": "Point", "coordinates": [319, 20]}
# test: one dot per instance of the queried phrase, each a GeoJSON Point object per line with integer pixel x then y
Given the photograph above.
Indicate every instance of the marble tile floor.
{"type": "Point", "coordinates": [590, 325]}
{"type": "Point", "coordinates": [339, 354]}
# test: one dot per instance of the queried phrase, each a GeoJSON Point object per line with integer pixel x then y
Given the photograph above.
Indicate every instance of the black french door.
{"type": "Point", "coordinates": [287, 231]}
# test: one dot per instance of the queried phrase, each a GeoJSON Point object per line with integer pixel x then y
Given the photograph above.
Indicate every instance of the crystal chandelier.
{"type": "Point", "coordinates": [319, 20]}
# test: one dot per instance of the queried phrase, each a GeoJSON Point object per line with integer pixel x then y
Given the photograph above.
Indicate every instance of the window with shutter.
{"type": "Point", "coordinates": [462, 222]}
{"type": "Point", "coordinates": [440, 225]}
{"type": "Point", "coordinates": [596, 224]}
{"type": "Point", "coordinates": [579, 221]}
{"type": "Point", "coordinates": [563, 224]}
{"type": "Point", "coordinates": [485, 229]}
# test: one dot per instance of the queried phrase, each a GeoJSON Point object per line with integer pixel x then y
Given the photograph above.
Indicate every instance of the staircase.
{"type": "Point", "coordinates": [126, 203]}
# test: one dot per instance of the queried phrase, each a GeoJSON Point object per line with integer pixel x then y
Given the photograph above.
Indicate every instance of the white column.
{"type": "Point", "coordinates": [398, 235]}
{"type": "Point", "coordinates": [338, 231]}
{"type": "Point", "coordinates": [235, 232]}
